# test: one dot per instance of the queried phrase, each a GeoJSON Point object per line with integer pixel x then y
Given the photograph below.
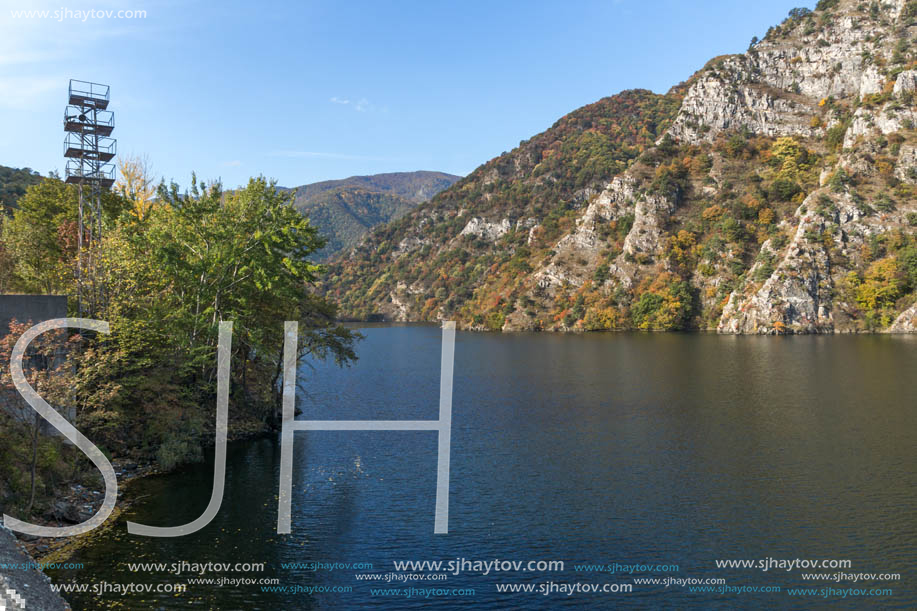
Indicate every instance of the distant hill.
{"type": "Point", "coordinates": [13, 183]}
{"type": "Point", "coordinates": [344, 210]}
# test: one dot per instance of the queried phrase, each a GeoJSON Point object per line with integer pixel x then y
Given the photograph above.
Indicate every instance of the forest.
{"type": "Point", "coordinates": [170, 266]}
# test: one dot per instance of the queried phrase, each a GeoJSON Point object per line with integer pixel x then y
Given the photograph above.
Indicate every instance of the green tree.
{"type": "Point", "coordinates": [191, 261]}
{"type": "Point", "coordinates": [41, 237]}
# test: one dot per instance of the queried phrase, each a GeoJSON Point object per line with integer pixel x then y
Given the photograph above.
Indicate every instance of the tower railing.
{"type": "Point", "coordinates": [83, 174]}
{"type": "Point", "coordinates": [82, 120]}
{"type": "Point", "coordinates": [84, 93]}
{"type": "Point", "coordinates": [82, 147]}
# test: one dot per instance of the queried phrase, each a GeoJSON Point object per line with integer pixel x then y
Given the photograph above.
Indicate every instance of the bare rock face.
{"type": "Point", "coordinates": [906, 321]}
{"type": "Point", "coordinates": [584, 241]}
{"type": "Point", "coordinates": [773, 88]}
{"type": "Point", "coordinates": [868, 123]}
{"type": "Point", "coordinates": [906, 167]}
{"type": "Point", "coordinates": [776, 89]}
{"type": "Point", "coordinates": [409, 244]}
{"type": "Point", "coordinates": [906, 82]}
{"type": "Point", "coordinates": [651, 213]}
{"type": "Point", "coordinates": [486, 230]}
{"type": "Point", "coordinates": [797, 296]}
{"type": "Point", "coordinates": [715, 104]}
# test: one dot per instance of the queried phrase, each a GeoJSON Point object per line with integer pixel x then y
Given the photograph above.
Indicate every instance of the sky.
{"type": "Point", "coordinates": [314, 90]}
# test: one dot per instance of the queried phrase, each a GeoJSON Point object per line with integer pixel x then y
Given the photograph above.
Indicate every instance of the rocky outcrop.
{"type": "Point", "coordinates": [887, 119]}
{"type": "Point", "coordinates": [906, 166]}
{"type": "Point", "coordinates": [797, 296]}
{"type": "Point", "coordinates": [774, 88]}
{"type": "Point", "coordinates": [906, 321]}
{"type": "Point", "coordinates": [728, 101]}
{"type": "Point", "coordinates": [486, 230]}
{"type": "Point", "coordinates": [905, 83]}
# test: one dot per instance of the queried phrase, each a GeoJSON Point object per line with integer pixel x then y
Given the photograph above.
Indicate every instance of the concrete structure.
{"type": "Point", "coordinates": [37, 308]}
{"type": "Point", "coordinates": [26, 308]}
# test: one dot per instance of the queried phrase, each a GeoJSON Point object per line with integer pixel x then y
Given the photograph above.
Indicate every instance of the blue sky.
{"type": "Point", "coordinates": [308, 91]}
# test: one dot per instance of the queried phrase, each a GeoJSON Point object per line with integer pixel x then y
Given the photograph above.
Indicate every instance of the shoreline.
{"type": "Point", "coordinates": [370, 324]}
{"type": "Point", "coordinates": [60, 549]}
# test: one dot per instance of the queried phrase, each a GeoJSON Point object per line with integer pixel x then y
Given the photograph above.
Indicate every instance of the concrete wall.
{"type": "Point", "coordinates": [36, 308]}
{"type": "Point", "coordinates": [25, 308]}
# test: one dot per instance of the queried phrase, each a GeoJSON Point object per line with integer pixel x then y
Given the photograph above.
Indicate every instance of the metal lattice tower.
{"type": "Point", "coordinates": [89, 148]}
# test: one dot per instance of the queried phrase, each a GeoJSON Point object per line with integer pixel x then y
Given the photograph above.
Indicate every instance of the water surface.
{"type": "Point", "coordinates": [597, 448]}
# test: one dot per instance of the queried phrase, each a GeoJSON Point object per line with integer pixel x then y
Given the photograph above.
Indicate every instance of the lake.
{"type": "Point", "coordinates": [594, 449]}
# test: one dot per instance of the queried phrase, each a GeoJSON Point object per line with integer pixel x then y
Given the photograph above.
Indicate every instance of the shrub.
{"type": "Point", "coordinates": [834, 136]}
{"type": "Point", "coordinates": [177, 451]}
{"type": "Point", "coordinates": [881, 286]}
{"type": "Point", "coordinates": [783, 190]}
{"type": "Point", "coordinates": [601, 274]}
{"type": "Point", "coordinates": [602, 319]}
{"type": "Point", "coordinates": [839, 180]}
{"type": "Point", "coordinates": [666, 304]}
{"type": "Point", "coordinates": [884, 203]}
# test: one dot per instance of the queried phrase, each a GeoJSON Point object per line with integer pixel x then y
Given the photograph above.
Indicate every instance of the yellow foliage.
{"type": "Point", "coordinates": [752, 202]}
{"type": "Point", "coordinates": [136, 183]}
{"type": "Point", "coordinates": [599, 319]}
{"type": "Point", "coordinates": [664, 304]}
{"type": "Point", "coordinates": [682, 248]}
{"type": "Point", "coordinates": [786, 148]}
{"type": "Point", "coordinates": [881, 286]}
{"type": "Point", "coordinates": [712, 213]}
{"type": "Point", "coordinates": [884, 166]}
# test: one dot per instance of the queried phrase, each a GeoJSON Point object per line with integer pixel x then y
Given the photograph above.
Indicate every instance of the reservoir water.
{"type": "Point", "coordinates": [636, 449]}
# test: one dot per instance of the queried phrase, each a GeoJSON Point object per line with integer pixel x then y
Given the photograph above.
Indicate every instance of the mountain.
{"type": "Point", "coordinates": [13, 183]}
{"type": "Point", "coordinates": [415, 187]}
{"type": "Point", "coordinates": [773, 192]}
{"type": "Point", "coordinates": [489, 229]}
{"type": "Point", "coordinates": [344, 210]}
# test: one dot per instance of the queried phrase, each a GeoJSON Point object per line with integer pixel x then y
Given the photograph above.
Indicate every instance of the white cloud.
{"type": "Point", "coordinates": [361, 105]}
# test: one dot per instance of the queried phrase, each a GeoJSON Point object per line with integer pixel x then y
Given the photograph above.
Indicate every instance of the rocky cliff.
{"type": "Point", "coordinates": [780, 197]}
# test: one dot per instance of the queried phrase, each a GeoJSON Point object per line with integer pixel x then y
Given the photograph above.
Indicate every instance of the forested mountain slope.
{"type": "Point", "coordinates": [344, 210]}
{"type": "Point", "coordinates": [13, 183]}
{"type": "Point", "coordinates": [779, 197]}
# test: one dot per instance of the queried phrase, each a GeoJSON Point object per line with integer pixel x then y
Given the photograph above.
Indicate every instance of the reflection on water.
{"type": "Point", "coordinates": [676, 449]}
